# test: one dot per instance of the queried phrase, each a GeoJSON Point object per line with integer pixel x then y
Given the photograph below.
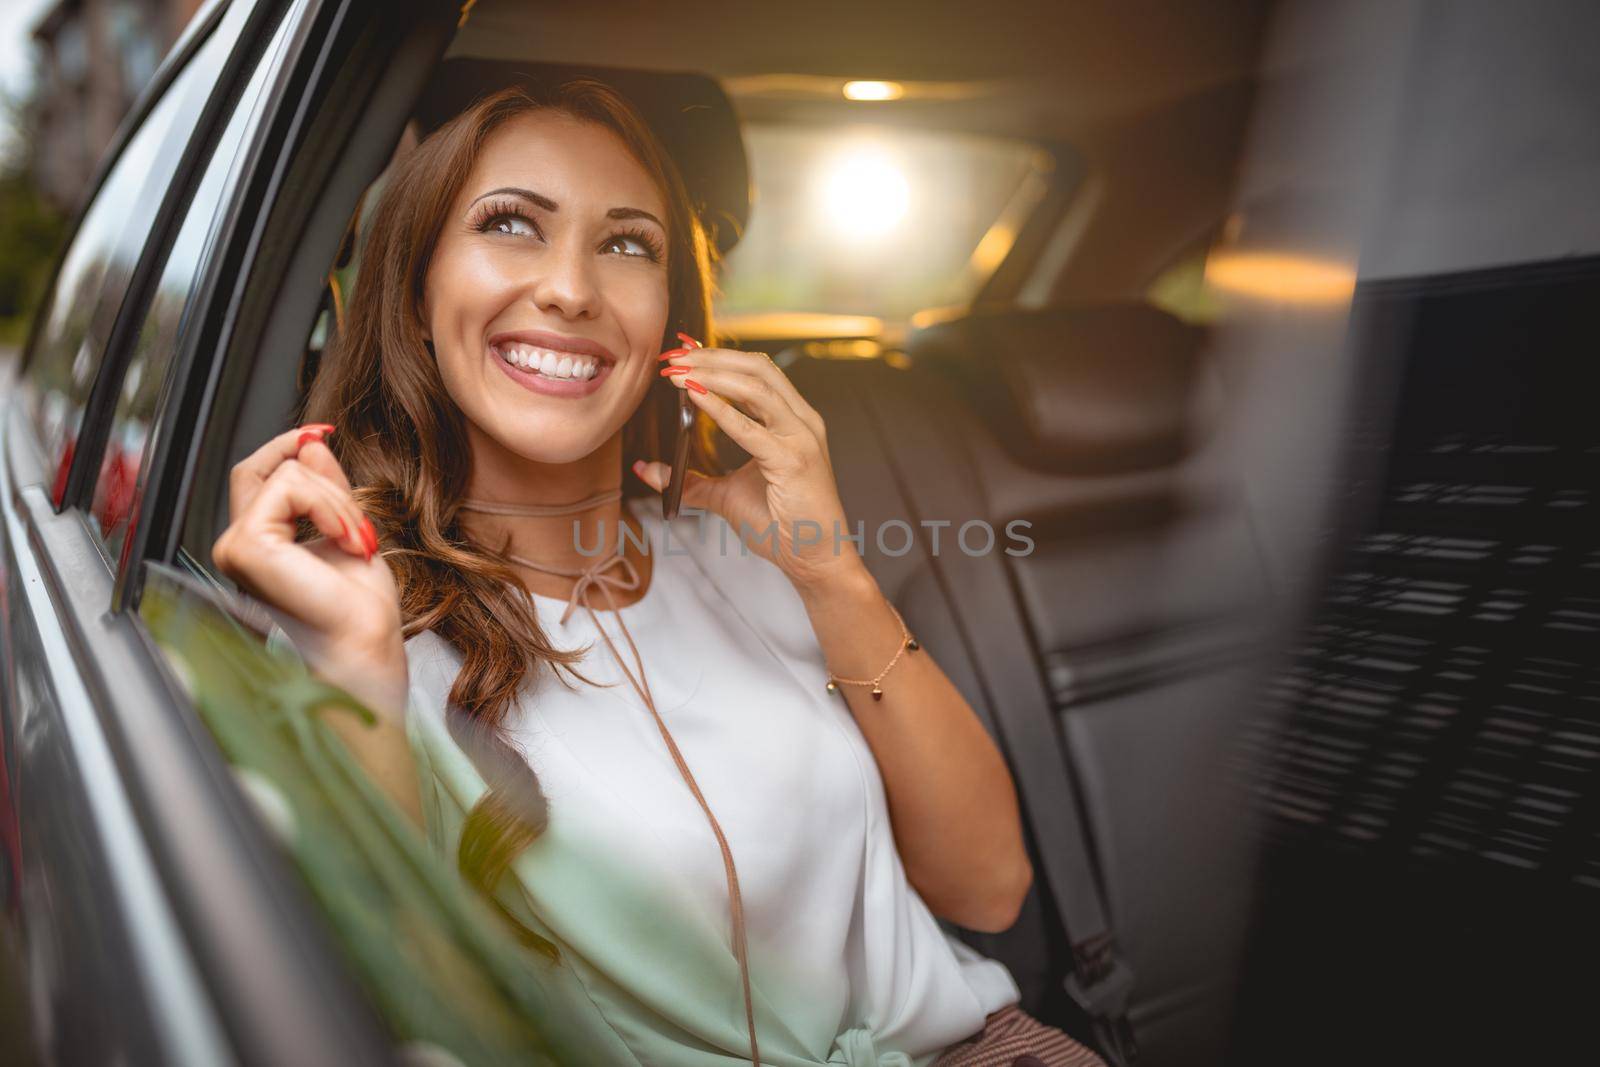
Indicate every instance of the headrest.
{"type": "Point", "coordinates": [690, 113]}
{"type": "Point", "coordinates": [1095, 389]}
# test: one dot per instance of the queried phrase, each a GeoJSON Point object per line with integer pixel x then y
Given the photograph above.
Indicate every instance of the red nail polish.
{"type": "Point", "coordinates": [673, 353]}
{"type": "Point", "coordinates": [690, 341]}
{"type": "Point", "coordinates": [369, 536]}
{"type": "Point", "coordinates": [309, 435]}
{"type": "Point", "coordinates": [667, 372]}
{"type": "Point", "coordinates": [696, 386]}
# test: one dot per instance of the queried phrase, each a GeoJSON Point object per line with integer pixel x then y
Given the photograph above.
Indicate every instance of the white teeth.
{"type": "Point", "coordinates": [562, 366]}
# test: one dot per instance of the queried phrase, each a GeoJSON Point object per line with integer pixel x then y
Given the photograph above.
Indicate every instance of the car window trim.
{"type": "Point", "coordinates": [259, 23]}
{"type": "Point", "coordinates": [195, 34]}
{"type": "Point", "coordinates": [365, 51]}
{"type": "Point", "coordinates": [1063, 173]}
{"type": "Point", "coordinates": [236, 237]}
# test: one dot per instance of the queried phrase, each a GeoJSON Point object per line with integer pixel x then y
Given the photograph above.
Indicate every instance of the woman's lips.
{"type": "Point", "coordinates": [559, 342]}
{"type": "Point", "coordinates": [551, 364]}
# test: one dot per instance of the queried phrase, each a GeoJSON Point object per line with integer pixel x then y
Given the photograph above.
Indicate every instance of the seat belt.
{"type": "Point", "coordinates": [979, 589]}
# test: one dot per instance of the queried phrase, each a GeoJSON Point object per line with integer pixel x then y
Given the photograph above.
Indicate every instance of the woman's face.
{"type": "Point", "coordinates": [546, 299]}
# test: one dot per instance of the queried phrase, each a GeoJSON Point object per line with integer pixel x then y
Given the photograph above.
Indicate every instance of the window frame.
{"type": "Point", "coordinates": [243, 919]}
{"type": "Point", "coordinates": [259, 19]}
{"type": "Point", "coordinates": [336, 119]}
{"type": "Point", "coordinates": [196, 33]}
{"type": "Point", "coordinates": [1064, 177]}
{"type": "Point", "coordinates": [77, 324]}
{"type": "Point", "coordinates": [218, 110]}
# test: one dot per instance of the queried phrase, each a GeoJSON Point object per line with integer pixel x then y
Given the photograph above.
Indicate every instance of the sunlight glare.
{"type": "Point", "coordinates": [865, 194]}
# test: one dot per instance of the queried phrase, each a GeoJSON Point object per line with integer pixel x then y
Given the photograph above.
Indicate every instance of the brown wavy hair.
{"type": "Point", "coordinates": [402, 442]}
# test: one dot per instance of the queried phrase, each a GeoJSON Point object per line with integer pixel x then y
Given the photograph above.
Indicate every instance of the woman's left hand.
{"type": "Point", "coordinates": [787, 487]}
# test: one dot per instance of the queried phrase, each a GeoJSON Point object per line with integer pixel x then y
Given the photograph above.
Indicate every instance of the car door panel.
{"type": "Point", "coordinates": [108, 975]}
{"type": "Point", "coordinates": [147, 924]}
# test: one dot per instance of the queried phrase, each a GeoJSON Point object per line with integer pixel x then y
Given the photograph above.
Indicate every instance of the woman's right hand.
{"type": "Point", "coordinates": [334, 596]}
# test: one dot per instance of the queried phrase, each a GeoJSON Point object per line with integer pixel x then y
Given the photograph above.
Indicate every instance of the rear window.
{"type": "Point", "coordinates": [863, 220]}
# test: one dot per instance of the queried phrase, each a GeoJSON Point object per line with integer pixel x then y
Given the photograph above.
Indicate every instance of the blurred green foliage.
{"type": "Point", "coordinates": [31, 231]}
{"type": "Point", "coordinates": [442, 970]}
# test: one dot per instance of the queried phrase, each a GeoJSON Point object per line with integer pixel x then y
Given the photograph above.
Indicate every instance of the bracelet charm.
{"type": "Point", "coordinates": [907, 644]}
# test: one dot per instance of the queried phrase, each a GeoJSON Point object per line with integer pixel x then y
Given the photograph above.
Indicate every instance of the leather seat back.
{"type": "Point", "coordinates": [1134, 605]}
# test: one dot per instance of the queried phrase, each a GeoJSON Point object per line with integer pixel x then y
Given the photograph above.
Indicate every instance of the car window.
{"type": "Point", "coordinates": [120, 480]}
{"type": "Point", "coordinates": [82, 307]}
{"type": "Point", "coordinates": [454, 983]}
{"type": "Point", "coordinates": [450, 978]}
{"type": "Point", "coordinates": [878, 222]}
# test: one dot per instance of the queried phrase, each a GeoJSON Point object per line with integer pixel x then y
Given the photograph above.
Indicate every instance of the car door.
{"type": "Point", "coordinates": [133, 919]}
{"type": "Point", "coordinates": [195, 873]}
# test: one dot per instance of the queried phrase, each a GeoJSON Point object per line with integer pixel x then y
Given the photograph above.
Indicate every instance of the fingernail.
{"type": "Point", "coordinates": [319, 427]}
{"type": "Point", "coordinates": [309, 435]}
{"type": "Point", "coordinates": [369, 536]}
{"type": "Point", "coordinates": [690, 341]}
{"type": "Point", "coordinates": [673, 353]}
{"type": "Point", "coordinates": [667, 372]}
{"type": "Point", "coordinates": [638, 465]}
{"type": "Point", "coordinates": [696, 386]}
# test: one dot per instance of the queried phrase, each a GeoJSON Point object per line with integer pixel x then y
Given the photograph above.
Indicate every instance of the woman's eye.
{"type": "Point", "coordinates": [628, 246]}
{"type": "Point", "coordinates": [512, 224]}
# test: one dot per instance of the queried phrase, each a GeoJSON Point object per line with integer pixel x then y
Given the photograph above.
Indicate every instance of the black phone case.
{"type": "Point", "coordinates": [680, 458]}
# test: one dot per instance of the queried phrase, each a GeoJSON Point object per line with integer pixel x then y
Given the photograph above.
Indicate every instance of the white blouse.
{"type": "Point", "coordinates": [847, 964]}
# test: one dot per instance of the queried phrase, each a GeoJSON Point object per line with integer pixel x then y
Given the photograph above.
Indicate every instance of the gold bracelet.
{"type": "Point", "coordinates": [907, 644]}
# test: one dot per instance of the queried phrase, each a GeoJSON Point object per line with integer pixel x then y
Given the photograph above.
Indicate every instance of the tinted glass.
{"type": "Point", "coordinates": [88, 293]}
{"type": "Point", "coordinates": [120, 481]}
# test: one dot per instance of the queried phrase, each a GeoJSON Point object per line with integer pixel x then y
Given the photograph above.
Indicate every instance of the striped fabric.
{"type": "Point", "coordinates": [1012, 1038]}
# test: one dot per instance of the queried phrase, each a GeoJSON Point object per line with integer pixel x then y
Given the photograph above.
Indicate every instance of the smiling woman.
{"type": "Point", "coordinates": [498, 371]}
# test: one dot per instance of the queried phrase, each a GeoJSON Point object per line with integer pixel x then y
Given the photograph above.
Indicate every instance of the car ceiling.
{"type": "Point", "coordinates": [1045, 70]}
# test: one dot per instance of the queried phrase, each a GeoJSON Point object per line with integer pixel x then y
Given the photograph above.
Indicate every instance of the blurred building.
{"type": "Point", "coordinates": [94, 56]}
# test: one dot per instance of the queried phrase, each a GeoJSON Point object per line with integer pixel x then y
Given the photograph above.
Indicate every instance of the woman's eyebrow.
{"type": "Point", "coordinates": [634, 213]}
{"type": "Point", "coordinates": [526, 194]}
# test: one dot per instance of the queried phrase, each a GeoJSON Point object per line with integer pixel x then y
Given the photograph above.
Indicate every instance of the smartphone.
{"type": "Point", "coordinates": [671, 499]}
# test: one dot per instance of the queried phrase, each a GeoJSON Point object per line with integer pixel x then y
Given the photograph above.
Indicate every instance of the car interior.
{"type": "Point", "coordinates": [1035, 379]}
{"type": "Point", "coordinates": [1295, 679]}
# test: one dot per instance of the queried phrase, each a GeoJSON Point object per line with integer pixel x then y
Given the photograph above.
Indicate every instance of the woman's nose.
{"type": "Point", "coordinates": [566, 284]}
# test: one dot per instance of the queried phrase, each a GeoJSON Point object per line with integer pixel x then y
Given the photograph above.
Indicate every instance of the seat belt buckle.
{"type": "Point", "coordinates": [1106, 998]}
{"type": "Point", "coordinates": [1101, 984]}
